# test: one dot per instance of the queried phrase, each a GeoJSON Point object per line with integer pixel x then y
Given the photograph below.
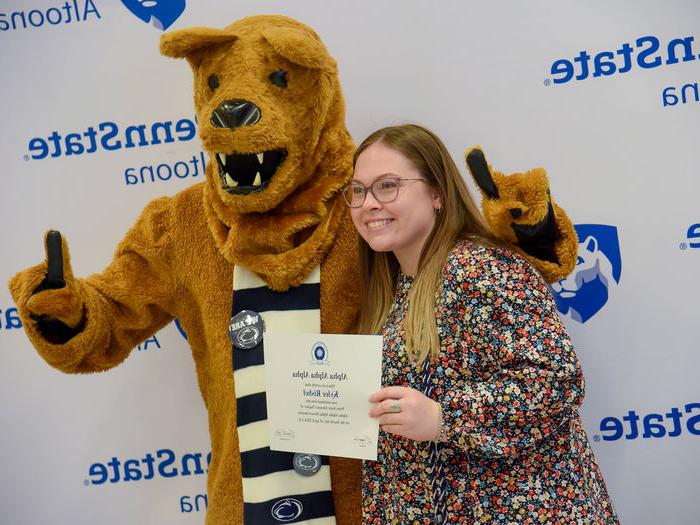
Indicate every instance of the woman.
{"type": "Point", "coordinates": [479, 411]}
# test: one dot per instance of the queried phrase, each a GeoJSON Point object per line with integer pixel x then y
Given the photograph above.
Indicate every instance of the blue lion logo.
{"type": "Point", "coordinates": [163, 13]}
{"type": "Point", "coordinates": [586, 290]}
{"type": "Point", "coordinates": [287, 509]}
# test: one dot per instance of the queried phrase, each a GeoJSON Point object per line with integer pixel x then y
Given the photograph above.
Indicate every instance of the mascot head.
{"type": "Point", "coordinates": [266, 92]}
{"type": "Point", "coordinates": [272, 119]}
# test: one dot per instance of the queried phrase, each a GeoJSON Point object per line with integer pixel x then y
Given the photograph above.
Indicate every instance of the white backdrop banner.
{"type": "Point", "coordinates": [604, 95]}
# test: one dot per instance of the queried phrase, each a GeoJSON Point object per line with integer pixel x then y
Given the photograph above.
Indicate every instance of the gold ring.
{"type": "Point", "coordinates": [394, 406]}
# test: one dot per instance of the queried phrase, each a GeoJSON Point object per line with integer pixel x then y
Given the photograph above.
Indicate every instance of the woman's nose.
{"type": "Point", "coordinates": [371, 202]}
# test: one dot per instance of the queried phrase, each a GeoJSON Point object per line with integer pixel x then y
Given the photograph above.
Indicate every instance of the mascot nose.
{"type": "Point", "coordinates": [235, 113]}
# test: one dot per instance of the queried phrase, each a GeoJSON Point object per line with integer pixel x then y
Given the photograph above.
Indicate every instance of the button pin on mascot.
{"type": "Point", "coordinates": [268, 232]}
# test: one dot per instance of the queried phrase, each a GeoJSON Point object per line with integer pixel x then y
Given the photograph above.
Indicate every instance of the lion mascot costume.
{"type": "Point", "coordinates": [266, 232]}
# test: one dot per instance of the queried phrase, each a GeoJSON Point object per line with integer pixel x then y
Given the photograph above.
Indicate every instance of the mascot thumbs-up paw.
{"type": "Point", "coordinates": [519, 210]}
{"type": "Point", "coordinates": [47, 293]}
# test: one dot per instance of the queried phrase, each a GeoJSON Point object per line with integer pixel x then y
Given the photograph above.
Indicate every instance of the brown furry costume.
{"type": "Point", "coordinates": [177, 260]}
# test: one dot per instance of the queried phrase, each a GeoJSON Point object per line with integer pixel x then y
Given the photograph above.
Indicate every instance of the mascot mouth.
{"type": "Point", "coordinates": [243, 173]}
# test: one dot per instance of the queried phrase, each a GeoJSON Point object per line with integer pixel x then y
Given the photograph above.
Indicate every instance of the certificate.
{"type": "Point", "coordinates": [317, 390]}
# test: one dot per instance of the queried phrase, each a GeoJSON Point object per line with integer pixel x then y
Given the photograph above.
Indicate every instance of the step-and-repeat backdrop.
{"type": "Point", "coordinates": [605, 95]}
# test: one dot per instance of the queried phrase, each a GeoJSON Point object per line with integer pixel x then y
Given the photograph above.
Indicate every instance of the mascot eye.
{"type": "Point", "coordinates": [213, 82]}
{"type": "Point", "coordinates": [279, 78]}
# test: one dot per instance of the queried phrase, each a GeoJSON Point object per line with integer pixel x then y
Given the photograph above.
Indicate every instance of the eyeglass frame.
{"type": "Point", "coordinates": [370, 188]}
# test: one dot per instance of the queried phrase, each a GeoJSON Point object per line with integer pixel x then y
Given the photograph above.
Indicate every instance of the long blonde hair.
{"type": "Point", "coordinates": [459, 219]}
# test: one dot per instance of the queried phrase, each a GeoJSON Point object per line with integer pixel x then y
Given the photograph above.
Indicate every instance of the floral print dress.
{"type": "Point", "coordinates": [510, 385]}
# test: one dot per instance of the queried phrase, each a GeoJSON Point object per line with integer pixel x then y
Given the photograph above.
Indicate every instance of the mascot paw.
{"type": "Point", "coordinates": [519, 210]}
{"type": "Point", "coordinates": [46, 293]}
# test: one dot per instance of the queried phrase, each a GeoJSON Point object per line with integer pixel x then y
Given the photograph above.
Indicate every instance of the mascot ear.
{"type": "Point", "coordinates": [299, 47]}
{"type": "Point", "coordinates": [188, 43]}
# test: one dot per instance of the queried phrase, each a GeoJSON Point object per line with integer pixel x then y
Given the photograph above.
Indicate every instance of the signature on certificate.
{"type": "Point", "coordinates": [284, 434]}
{"type": "Point", "coordinates": [363, 441]}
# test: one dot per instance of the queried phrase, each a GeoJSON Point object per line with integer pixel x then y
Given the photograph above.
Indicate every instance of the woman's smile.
{"type": "Point", "coordinates": [378, 224]}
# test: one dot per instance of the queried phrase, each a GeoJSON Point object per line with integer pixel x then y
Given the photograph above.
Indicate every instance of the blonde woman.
{"type": "Point", "coordinates": [481, 386]}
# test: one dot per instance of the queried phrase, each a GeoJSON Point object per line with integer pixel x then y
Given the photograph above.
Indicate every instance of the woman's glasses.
{"type": "Point", "coordinates": [383, 190]}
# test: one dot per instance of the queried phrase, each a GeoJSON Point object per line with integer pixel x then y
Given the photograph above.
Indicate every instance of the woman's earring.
{"type": "Point", "coordinates": [438, 211]}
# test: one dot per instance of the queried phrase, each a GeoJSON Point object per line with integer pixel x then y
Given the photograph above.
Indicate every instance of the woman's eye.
{"type": "Point", "coordinates": [213, 81]}
{"type": "Point", "coordinates": [357, 190]}
{"type": "Point", "coordinates": [279, 78]}
{"type": "Point", "coordinates": [387, 185]}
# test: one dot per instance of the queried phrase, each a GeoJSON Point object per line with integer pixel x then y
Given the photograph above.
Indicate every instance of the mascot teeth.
{"type": "Point", "coordinates": [242, 173]}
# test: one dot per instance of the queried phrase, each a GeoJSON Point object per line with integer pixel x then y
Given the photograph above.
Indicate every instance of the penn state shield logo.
{"type": "Point", "coordinates": [162, 13]}
{"type": "Point", "coordinates": [586, 290]}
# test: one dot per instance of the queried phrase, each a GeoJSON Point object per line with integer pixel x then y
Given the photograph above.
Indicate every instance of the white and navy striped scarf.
{"type": "Point", "coordinates": [273, 492]}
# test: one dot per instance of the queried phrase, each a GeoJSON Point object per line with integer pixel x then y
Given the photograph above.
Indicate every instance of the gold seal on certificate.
{"type": "Point", "coordinates": [317, 390]}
